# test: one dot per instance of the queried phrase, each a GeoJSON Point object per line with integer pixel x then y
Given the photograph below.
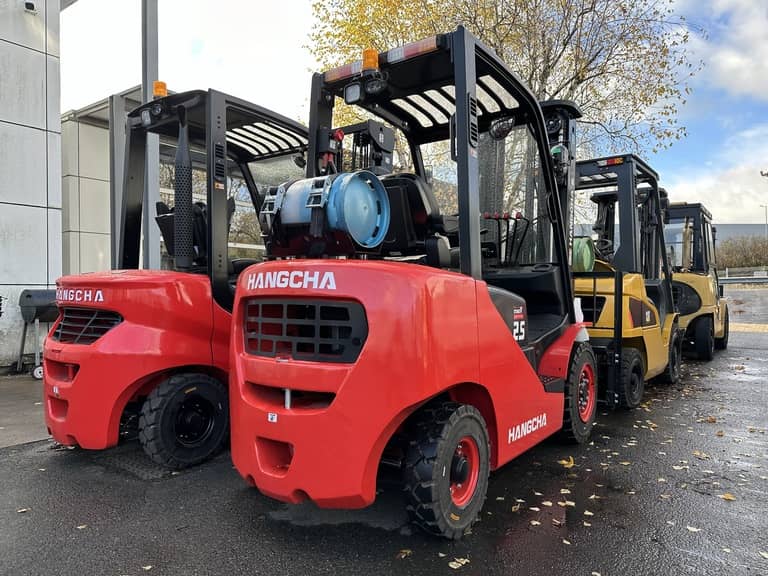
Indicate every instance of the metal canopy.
{"type": "Point", "coordinates": [421, 94]}
{"type": "Point", "coordinates": [253, 133]}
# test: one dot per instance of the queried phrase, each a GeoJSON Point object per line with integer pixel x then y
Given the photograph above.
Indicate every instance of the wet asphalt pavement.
{"type": "Point", "coordinates": [646, 497]}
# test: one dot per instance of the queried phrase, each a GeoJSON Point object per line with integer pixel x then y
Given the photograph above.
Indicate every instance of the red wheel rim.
{"type": "Point", "coordinates": [465, 470]}
{"type": "Point", "coordinates": [586, 392]}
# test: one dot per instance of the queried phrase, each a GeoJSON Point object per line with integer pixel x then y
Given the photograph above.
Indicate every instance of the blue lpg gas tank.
{"type": "Point", "coordinates": [355, 203]}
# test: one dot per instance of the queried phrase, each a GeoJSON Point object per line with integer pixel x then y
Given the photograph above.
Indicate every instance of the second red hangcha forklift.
{"type": "Point", "coordinates": [383, 328]}
{"type": "Point", "coordinates": [155, 343]}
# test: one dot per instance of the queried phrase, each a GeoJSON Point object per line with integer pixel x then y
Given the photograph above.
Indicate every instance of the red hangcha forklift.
{"type": "Point", "coordinates": [384, 330]}
{"type": "Point", "coordinates": [156, 342]}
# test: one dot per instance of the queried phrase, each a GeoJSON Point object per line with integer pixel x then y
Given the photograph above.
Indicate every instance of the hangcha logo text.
{"type": "Point", "coordinates": [525, 428]}
{"type": "Point", "coordinates": [79, 295]}
{"type": "Point", "coordinates": [293, 279]}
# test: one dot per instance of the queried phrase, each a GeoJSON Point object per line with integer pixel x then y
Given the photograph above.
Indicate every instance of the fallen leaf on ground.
{"type": "Point", "coordinates": [516, 507]}
{"type": "Point", "coordinates": [701, 455]}
{"type": "Point", "coordinates": [719, 433]}
{"type": "Point", "coordinates": [441, 554]}
{"type": "Point", "coordinates": [567, 463]}
{"type": "Point", "coordinates": [662, 480]}
{"type": "Point", "coordinates": [665, 496]}
{"type": "Point", "coordinates": [594, 497]}
{"type": "Point", "coordinates": [587, 524]}
{"type": "Point", "coordinates": [457, 563]}
{"type": "Point", "coordinates": [499, 497]}
{"type": "Point", "coordinates": [625, 463]}
{"type": "Point", "coordinates": [692, 529]}
{"type": "Point", "coordinates": [710, 420]}
{"type": "Point", "coordinates": [404, 553]}
{"type": "Point", "coordinates": [556, 522]}
{"type": "Point", "coordinates": [519, 500]}
{"type": "Point", "coordinates": [727, 550]}
{"type": "Point", "coordinates": [568, 542]}
{"type": "Point", "coordinates": [595, 574]}
{"type": "Point", "coordinates": [535, 523]}
{"type": "Point", "coordinates": [82, 526]}
{"type": "Point", "coordinates": [588, 513]}
{"type": "Point", "coordinates": [147, 568]}
{"type": "Point", "coordinates": [564, 491]}
{"type": "Point", "coordinates": [764, 555]}
{"type": "Point", "coordinates": [537, 493]}
{"type": "Point", "coordinates": [546, 503]}
{"type": "Point", "coordinates": [22, 510]}
{"type": "Point", "coordinates": [727, 496]}
{"type": "Point", "coordinates": [670, 522]}
{"type": "Point", "coordinates": [534, 509]}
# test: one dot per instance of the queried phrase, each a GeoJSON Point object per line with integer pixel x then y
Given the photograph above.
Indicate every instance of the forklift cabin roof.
{"type": "Point", "coordinates": [253, 132]}
{"type": "Point", "coordinates": [420, 95]}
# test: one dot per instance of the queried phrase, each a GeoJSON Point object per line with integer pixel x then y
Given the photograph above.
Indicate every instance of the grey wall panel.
{"type": "Point", "coordinates": [22, 235]}
{"type": "Point", "coordinates": [22, 27]}
{"type": "Point", "coordinates": [22, 90]}
{"type": "Point", "coordinates": [22, 165]}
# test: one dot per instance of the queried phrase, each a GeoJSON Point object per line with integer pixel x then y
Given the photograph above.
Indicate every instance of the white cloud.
{"type": "Point", "coordinates": [736, 51]}
{"type": "Point", "coordinates": [253, 50]}
{"type": "Point", "coordinates": [731, 185]}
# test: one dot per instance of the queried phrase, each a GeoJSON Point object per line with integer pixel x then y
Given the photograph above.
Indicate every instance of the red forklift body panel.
{"type": "Point", "coordinates": [165, 322]}
{"type": "Point", "coordinates": [430, 332]}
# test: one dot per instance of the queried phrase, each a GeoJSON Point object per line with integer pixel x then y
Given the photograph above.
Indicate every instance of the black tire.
{"type": "Point", "coordinates": [704, 336]}
{"type": "Point", "coordinates": [632, 384]}
{"type": "Point", "coordinates": [672, 372]}
{"type": "Point", "coordinates": [722, 343]}
{"type": "Point", "coordinates": [184, 420]}
{"type": "Point", "coordinates": [434, 448]}
{"type": "Point", "coordinates": [580, 407]}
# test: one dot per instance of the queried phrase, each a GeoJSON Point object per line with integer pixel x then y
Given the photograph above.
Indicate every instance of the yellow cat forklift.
{"type": "Point", "coordinates": [623, 279]}
{"type": "Point", "coordinates": [690, 239]}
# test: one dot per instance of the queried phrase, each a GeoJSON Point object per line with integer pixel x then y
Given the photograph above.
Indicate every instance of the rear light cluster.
{"type": "Point", "coordinates": [84, 325]}
{"type": "Point", "coordinates": [313, 330]}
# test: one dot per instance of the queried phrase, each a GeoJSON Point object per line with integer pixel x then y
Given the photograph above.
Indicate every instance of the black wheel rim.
{"type": "Point", "coordinates": [194, 421]}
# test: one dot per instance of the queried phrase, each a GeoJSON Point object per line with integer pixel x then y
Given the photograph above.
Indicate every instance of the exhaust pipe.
{"type": "Point", "coordinates": [184, 251]}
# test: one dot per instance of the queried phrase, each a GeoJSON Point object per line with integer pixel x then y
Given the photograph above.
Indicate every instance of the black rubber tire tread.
{"type": "Point", "coordinates": [704, 336]}
{"type": "Point", "coordinates": [574, 430]}
{"type": "Point", "coordinates": [671, 373]}
{"type": "Point", "coordinates": [431, 433]}
{"type": "Point", "coordinates": [631, 361]}
{"type": "Point", "coordinates": [722, 343]}
{"type": "Point", "coordinates": [153, 431]}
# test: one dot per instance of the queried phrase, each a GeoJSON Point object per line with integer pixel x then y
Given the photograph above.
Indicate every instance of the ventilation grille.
{"type": "Point", "coordinates": [219, 161]}
{"type": "Point", "coordinates": [473, 129]}
{"type": "Point", "coordinates": [313, 330]}
{"type": "Point", "coordinates": [84, 325]}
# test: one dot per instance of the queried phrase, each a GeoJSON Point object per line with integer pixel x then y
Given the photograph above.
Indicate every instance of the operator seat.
{"type": "Point", "coordinates": [165, 221]}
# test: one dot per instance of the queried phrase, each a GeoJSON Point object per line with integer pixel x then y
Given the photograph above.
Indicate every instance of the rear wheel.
{"type": "Point", "coordinates": [446, 469]}
{"type": "Point", "coordinates": [185, 420]}
{"type": "Point", "coordinates": [722, 343]}
{"type": "Point", "coordinates": [704, 335]}
{"type": "Point", "coordinates": [580, 396]}
{"type": "Point", "coordinates": [632, 385]}
{"type": "Point", "coordinates": [672, 373]}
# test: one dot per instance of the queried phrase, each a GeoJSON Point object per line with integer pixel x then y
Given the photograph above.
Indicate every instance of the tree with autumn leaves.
{"type": "Point", "coordinates": [625, 62]}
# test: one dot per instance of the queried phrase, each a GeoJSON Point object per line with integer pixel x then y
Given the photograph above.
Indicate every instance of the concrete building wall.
{"type": "Point", "coordinates": [30, 165]}
{"type": "Point", "coordinates": [85, 197]}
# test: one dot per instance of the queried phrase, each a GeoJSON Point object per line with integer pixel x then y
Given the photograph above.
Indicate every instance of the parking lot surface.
{"type": "Point", "coordinates": [679, 487]}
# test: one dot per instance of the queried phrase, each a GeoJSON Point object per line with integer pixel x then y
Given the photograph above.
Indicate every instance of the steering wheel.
{"type": "Point", "coordinates": [604, 246]}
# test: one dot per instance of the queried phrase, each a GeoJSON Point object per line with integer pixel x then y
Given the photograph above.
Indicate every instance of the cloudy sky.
{"type": "Point", "coordinates": [256, 50]}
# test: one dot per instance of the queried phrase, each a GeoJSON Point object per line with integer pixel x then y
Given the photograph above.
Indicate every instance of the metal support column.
{"type": "Point", "coordinates": [149, 73]}
{"type": "Point", "coordinates": [116, 171]}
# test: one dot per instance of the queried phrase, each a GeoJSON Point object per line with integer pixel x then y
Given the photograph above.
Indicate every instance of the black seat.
{"type": "Point", "coordinates": [165, 221]}
{"type": "Point", "coordinates": [415, 216]}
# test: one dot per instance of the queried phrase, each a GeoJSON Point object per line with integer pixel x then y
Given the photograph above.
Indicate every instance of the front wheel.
{"type": "Point", "coordinates": [580, 396]}
{"type": "Point", "coordinates": [705, 338]}
{"type": "Point", "coordinates": [184, 420]}
{"type": "Point", "coordinates": [446, 469]}
{"type": "Point", "coordinates": [722, 343]}
{"type": "Point", "coordinates": [632, 385]}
